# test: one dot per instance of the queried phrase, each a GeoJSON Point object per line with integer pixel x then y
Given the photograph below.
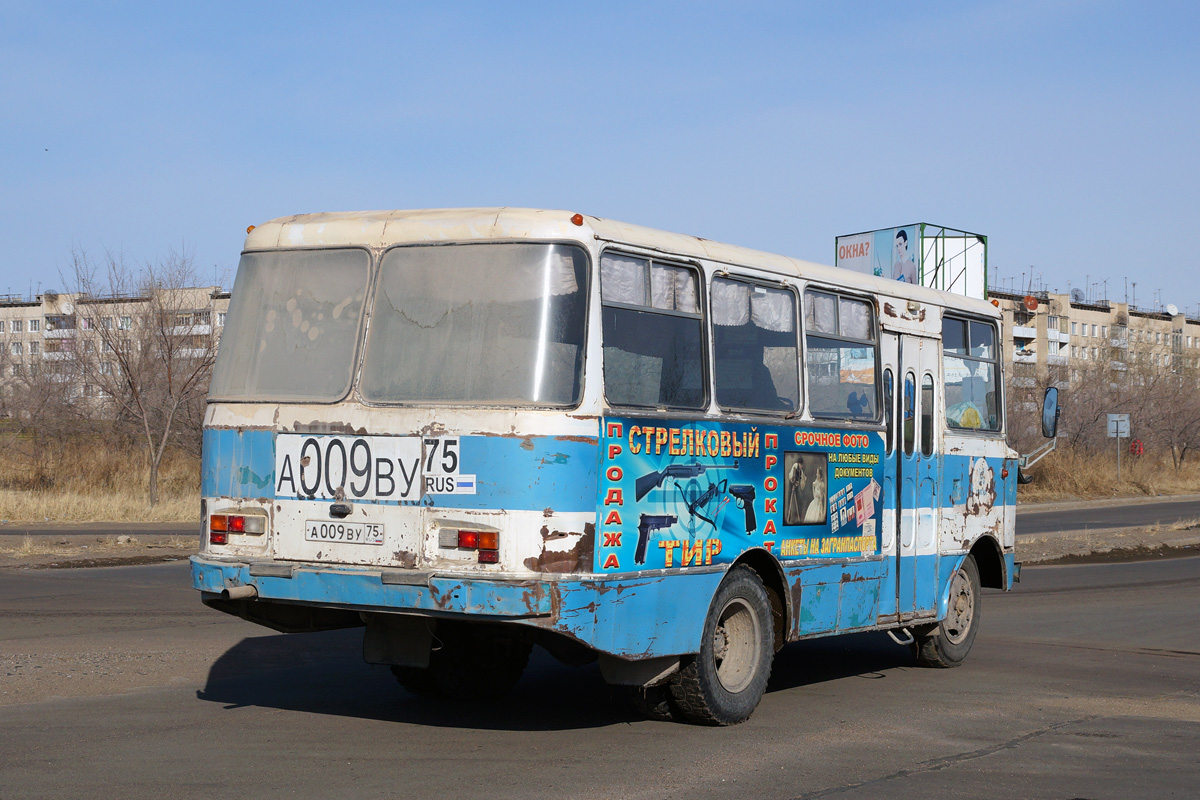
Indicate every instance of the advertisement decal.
{"type": "Point", "coordinates": [696, 493]}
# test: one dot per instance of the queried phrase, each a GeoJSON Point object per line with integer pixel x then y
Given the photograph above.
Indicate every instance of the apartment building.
{"type": "Point", "coordinates": [40, 337]}
{"type": "Point", "coordinates": [1054, 337]}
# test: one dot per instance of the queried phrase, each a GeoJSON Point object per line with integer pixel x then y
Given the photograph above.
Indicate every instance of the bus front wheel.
{"type": "Point", "coordinates": [722, 684]}
{"type": "Point", "coordinates": [947, 643]}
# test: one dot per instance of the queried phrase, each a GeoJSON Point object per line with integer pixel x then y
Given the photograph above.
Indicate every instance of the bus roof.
{"type": "Point", "coordinates": [387, 228]}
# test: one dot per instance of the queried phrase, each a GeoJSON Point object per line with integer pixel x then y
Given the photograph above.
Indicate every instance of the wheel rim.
{"type": "Point", "coordinates": [736, 644]}
{"type": "Point", "coordinates": [961, 612]}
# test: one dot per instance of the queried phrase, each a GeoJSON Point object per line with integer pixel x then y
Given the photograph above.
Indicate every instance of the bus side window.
{"type": "Point", "coordinates": [841, 356]}
{"type": "Point", "coordinates": [910, 413]}
{"type": "Point", "coordinates": [754, 341]}
{"type": "Point", "coordinates": [971, 373]}
{"type": "Point", "coordinates": [927, 415]}
{"type": "Point", "coordinates": [653, 337]}
{"type": "Point", "coordinates": [889, 400]}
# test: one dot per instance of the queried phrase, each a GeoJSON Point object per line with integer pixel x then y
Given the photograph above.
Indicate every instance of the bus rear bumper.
{"type": "Point", "coordinates": [371, 590]}
{"type": "Point", "coordinates": [631, 617]}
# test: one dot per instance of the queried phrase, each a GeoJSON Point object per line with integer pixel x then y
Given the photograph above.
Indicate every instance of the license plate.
{"type": "Point", "coordinates": [343, 532]}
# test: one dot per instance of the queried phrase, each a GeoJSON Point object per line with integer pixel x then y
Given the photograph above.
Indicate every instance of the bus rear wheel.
{"type": "Point", "coordinates": [723, 683]}
{"type": "Point", "coordinates": [947, 643]}
{"type": "Point", "coordinates": [469, 662]}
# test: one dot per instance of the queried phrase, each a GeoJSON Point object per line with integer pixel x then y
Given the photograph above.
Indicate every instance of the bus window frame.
{"type": "Point", "coordinates": [889, 410]}
{"type": "Point", "coordinates": [872, 301]}
{"type": "Point", "coordinates": [702, 303]}
{"type": "Point", "coordinates": [928, 414]}
{"type": "Point", "coordinates": [798, 319]}
{"type": "Point", "coordinates": [998, 364]}
{"type": "Point", "coordinates": [351, 391]}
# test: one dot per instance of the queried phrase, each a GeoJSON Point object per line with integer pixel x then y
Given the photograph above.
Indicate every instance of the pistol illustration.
{"type": "Point", "coordinates": [647, 524]}
{"type": "Point", "coordinates": [652, 480]}
{"type": "Point", "coordinates": [744, 492]}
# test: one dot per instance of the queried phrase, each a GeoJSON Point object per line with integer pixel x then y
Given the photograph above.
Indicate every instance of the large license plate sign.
{"type": "Point", "coordinates": [322, 530]}
{"type": "Point", "coordinates": [370, 468]}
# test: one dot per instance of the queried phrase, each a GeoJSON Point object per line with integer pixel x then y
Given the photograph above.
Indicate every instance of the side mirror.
{"type": "Point", "coordinates": [1050, 411]}
{"type": "Point", "coordinates": [1023, 477]}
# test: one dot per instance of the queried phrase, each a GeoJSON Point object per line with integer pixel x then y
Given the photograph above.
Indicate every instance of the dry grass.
{"type": "Point", "coordinates": [1067, 474]}
{"type": "Point", "coordinates": [89, 480]}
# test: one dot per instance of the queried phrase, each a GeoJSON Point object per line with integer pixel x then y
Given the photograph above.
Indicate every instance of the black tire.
{"type": "Point", "coordinates": [468, 662]}
{"type": "Point", "coordinates": [722, 684]}
{"type": "Point", "coordinates": [651, 702]}
{"type": "Point", "coordinates": [947, 643]}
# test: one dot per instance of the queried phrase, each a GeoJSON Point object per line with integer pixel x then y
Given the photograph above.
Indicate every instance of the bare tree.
{"type": "Point", "coordinates": [144, 348]}
{"type": "Point", "coordinates": [35, 401]}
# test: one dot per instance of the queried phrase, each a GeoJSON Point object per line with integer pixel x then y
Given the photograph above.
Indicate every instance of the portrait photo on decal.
{"type": "Point", "coordinates": [806, 488]}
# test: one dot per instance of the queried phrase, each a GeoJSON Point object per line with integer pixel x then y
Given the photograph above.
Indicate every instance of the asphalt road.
{"type": "Point", "coordinates": [1084, 683]}
{"type": "Point", "coordinates": [1105, 514]}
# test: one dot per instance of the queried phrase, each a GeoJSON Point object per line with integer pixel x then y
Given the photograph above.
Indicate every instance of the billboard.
{"type": "Point", "coordinates": [886, 253]}
{"type": "Point", "coordinates": [929, 255]}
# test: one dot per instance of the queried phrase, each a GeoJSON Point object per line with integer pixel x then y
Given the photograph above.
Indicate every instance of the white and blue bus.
{"type": "Point", "coordinates": [471, 431]}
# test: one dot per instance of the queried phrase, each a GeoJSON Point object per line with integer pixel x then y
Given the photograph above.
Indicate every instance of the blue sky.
{"type": "Point", "coordinates": [1065, 131]}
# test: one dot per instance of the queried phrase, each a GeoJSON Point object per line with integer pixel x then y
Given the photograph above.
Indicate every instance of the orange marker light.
{"type": "Point", "coordinates": [577, 219]}
{"type": "Point", "coordinates": [489, 540]}
{"type": "Point", "coordinates": [218, 522]}
{"type": "Point", "coordinates": [249, 228]}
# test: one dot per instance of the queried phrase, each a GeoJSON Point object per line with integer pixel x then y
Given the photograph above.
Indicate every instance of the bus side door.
{"type": "Point", "coordinates": [918, 470]}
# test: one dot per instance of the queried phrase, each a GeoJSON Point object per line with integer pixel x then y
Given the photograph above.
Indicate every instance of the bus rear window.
{"type": "Point", "coordinates": [292, 326]}
{"type": "Point", "coordinates": [487, 324]}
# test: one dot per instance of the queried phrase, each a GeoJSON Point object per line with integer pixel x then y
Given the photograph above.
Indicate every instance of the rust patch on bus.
{"type": "Point", "coordinates": [576, 559]}
{"type": "Point", "coordinates": [319, 426]}
{"type": "Point", "coordinates": [577, 439]}
{"type": "Point", "coordinates": [433, 429]}
{"type": "Point", "coordinates": [404, 559]}
{"type": "Point", "coordinates": [795, 590]}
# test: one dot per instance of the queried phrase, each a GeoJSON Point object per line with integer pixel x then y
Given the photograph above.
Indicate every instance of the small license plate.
{"type": "Point", "coordinates": [343, 532]}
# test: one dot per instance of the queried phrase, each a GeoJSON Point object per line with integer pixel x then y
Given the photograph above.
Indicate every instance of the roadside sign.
{"type": "Point", "coordinates": [1118, 426]}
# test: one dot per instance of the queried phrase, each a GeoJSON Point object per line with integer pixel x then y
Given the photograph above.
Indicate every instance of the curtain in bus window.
{"type": "Point", "coordinates": [673, 289]}
{"type": "Point", "coordinates": [623, 279]}
{"type": "Point", "coordinates": [773, 309]}
{"type": "Point", "coordinates": [854, 319]}
{"type": "Point", "coordinates": [754, 341]}
{"type": "Point", "coordinates": [820, 313]}
{"type": "Point", "coordinates": [731, 302]}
